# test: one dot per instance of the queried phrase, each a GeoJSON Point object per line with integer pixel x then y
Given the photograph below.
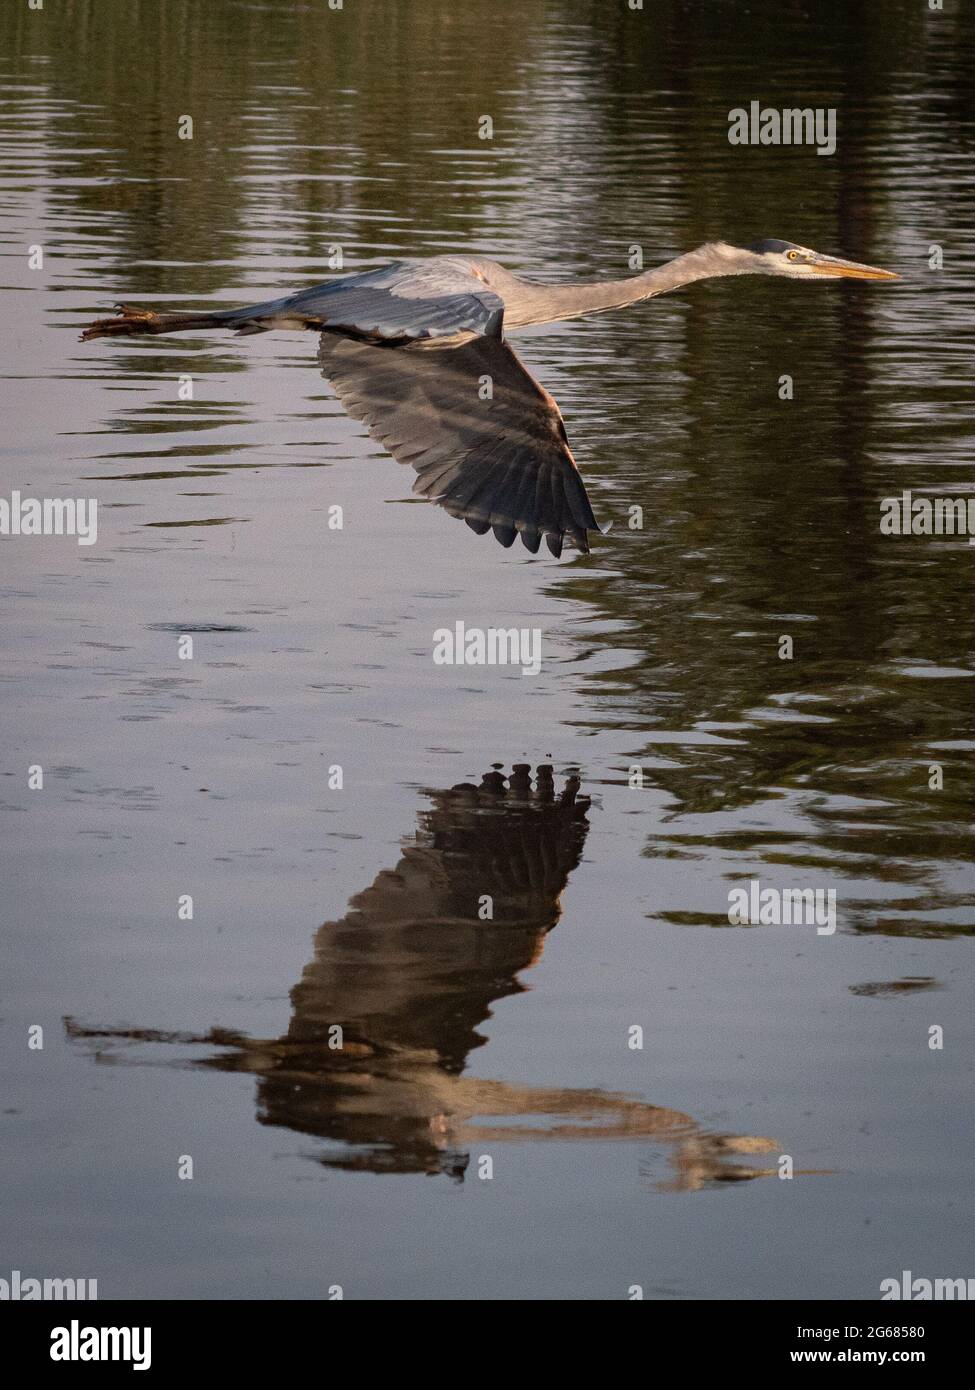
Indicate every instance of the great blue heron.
{"type": "Point", "coordinates": [417, 351]}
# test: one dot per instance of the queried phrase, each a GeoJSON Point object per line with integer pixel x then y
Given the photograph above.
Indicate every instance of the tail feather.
{"type": "Point", "coordinates": [131, 321]}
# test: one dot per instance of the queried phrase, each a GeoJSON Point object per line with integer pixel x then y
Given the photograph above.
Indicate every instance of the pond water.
{"type": "Point", "coordinates": [490, 1129]}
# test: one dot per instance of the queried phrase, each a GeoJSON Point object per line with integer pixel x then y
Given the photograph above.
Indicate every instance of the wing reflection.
{"type": "Point", "coordinates": [408, 975]}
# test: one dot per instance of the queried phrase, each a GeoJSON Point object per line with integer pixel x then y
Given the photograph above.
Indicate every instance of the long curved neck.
{"type": "Point", "coordinates": [546, 303]}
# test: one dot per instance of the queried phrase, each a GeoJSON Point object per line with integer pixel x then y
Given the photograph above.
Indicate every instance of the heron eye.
{"type": "Point", "coordinates": [793, 255]}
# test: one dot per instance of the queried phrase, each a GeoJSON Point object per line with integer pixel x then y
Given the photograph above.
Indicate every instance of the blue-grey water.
{"type": "Point", "coordinates": [166, 1037]}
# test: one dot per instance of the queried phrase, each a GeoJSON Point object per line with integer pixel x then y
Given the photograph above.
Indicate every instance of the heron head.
{"type": "Point", "coordinates": [773, 257]}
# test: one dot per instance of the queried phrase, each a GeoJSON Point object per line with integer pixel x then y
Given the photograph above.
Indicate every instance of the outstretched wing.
{"type": "Point", "coordinates": [405, 300]}
{"type": "Point", "coordinates": [486, 440]}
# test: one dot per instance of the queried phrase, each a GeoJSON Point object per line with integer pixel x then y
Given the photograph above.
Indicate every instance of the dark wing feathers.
{"type": "Point", "coordinates": [410, 348]}
{"type": "Point", "coordinates": [499, 460]}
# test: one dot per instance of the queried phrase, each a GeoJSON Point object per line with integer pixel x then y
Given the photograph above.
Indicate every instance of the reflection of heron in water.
{"type": "Point", "coordinates": [410, 973]}
{"type": "Point", "coordinates": [486, 440]}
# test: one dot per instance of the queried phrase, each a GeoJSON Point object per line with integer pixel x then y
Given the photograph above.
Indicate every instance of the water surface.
{"type": "Point", "coordinates": [466, 1039]}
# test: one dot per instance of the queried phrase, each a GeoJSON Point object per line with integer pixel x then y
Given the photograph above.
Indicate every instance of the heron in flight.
{"type": "Point", "coordinates": [417, 351]}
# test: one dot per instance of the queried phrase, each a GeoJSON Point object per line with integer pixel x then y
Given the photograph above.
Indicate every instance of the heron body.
{"type": "Point", "coordinates": [418, 351]}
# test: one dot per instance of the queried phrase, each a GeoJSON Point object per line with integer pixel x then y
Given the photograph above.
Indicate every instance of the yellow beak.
{"type": "Point", "coordinates": [853, 270]}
